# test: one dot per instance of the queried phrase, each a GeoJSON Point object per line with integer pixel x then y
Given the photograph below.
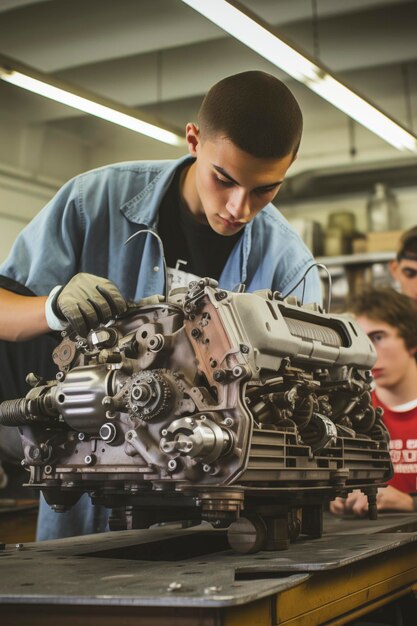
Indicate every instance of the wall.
{"type": "Point", "coordinates": [35, 159]}
{"type": "Point", "coordinates": [20, 199]}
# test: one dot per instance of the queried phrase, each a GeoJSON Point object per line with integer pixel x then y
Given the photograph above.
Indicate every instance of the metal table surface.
{"type": "Point", "coordinates": [171, 575]}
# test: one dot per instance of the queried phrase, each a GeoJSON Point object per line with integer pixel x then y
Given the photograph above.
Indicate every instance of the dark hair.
{"type": "Point", "coordinates": [384, 304]}
{"type": "Point", "coordinates": [256, 111]}
{"type": "Point", "coordinates": [408, 245]}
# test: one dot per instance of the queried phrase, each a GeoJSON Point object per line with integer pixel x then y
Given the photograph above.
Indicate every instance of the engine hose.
{"type": "Point", "coordinates": [14, 412]}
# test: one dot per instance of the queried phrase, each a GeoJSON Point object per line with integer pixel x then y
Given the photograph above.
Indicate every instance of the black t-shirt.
{"type": "Point", "coordinates": [205, 251]}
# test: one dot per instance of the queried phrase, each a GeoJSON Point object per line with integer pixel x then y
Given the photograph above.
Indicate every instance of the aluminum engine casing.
{"type": "Point", "coordinates": [206, 406]}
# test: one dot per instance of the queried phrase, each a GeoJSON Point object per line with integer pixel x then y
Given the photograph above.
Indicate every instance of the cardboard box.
{"type": "Point", "coordinates": [359, 245]}
{"type": "Point", "coordinates": [386, 241]}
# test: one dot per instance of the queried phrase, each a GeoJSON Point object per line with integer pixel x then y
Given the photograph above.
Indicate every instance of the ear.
{"type": "Point", "coordinates": [192, 137]}
{"type": "Point", "coordinates": [393, 268]}
{"type": "Point", "coordinates": [412, 351]}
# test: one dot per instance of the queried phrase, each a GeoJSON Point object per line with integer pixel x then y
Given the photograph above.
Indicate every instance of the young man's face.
{"type": "Point", "coordinates": [230, 185]}
{"type": "Point", "coordinates": [393, 357]}
{"type": "Point", "coordinates": [405, 273]}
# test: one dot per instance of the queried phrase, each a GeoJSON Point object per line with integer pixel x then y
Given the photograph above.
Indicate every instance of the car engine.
{"type": "Point", "coordinates": [246, 410]}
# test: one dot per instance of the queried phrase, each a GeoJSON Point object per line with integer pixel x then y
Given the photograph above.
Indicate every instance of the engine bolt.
{"type": "Point", "coordinates": [156, 343]}
{"type": "Point", "coordinates": [220, 295]}
{"type": "Point", "coordinates": [34, 453]}
{"type": "Point", "coordinates": [172, 465]}
{"type": "Point", "coordinates": [108, 432]}
{"type": "Point", "coordinates": [81, 436]}
{"type": "Point", "coordinates": [195, 333]}
{"type": "Point", "coordinates": [206, 468]}
{"type": "Point", "coordinates": [141, 392]}
{"type": "Point", "coordinates": [90, 459]}
{"type": "Point", "coordinates": [219, 376]}
{"type": "Point", "coordinates": [229, 421]}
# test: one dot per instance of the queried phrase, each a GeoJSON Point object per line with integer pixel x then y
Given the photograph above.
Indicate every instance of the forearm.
{"type": "Point", "coordinates": [392, 499]}
{"type": "Point", "coordinates": [21, 317]}
{"type": "Point", "coordinates": [388, 499]}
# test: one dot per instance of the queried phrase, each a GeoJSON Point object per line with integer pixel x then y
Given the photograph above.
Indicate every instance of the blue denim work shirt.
{"type": "Point", "coordinates": [85, 226]}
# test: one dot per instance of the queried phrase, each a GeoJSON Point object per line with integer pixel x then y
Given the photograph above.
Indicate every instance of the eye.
{"type": "Point", "coordinates": [409, 273]}
{"type": "Point", "coordinates": [264, 191]}
{"type": "Point", "coordinates": [223, 182]}
{"type": "Point", "coordinates": [376, 337]}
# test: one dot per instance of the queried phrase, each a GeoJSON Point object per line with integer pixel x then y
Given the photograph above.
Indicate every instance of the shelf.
{"type": "Point", "coordinates": [364, 258]}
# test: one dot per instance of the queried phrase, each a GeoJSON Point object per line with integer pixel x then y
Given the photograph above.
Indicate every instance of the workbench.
{"type": "Point", "coordinates": [187, 577]}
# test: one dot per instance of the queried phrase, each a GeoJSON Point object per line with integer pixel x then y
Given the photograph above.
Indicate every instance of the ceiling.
{"type": "Point", "coordinates": [160, 56]}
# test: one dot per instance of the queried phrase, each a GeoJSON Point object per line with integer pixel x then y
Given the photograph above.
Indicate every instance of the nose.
{"type": "Point", "coordinates": [238, 205]}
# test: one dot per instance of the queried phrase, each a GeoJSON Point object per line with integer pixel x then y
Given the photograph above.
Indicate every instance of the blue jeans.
{"type": "Point", "coordinates": [82, 519]}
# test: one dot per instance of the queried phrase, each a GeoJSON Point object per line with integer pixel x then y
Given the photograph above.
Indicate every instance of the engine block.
{"type": "Point", "coordinates": [246, 410]}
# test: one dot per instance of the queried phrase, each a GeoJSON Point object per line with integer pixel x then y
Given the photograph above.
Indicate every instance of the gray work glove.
{"type": "Point", "coordinates": [87, 301]}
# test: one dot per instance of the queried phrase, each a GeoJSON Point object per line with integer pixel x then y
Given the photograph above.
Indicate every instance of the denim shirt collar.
{"type": "Point", "coordinates": [143, 207]}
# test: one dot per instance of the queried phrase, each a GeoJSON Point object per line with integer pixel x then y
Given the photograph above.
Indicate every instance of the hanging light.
{"type": "Point", "coordinates": [46, 86]}
{"type": "Point", "coordinates": [249, 30]}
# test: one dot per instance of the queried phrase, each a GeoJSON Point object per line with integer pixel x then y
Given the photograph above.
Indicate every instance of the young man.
{"type": "Point", "coordinates": [212, 210]}
{"type": "Point", "coordinates": [389, 319]}
{"type": "Point", "coordinates": [404, 268]}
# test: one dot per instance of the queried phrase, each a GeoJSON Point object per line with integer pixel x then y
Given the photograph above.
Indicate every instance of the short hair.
{"type": "Point", "coordinates": [384, 304]}
{"type": "Point", "coordinates": [256, 111]}
{"type": "Point", "coordinates": [408, 245]}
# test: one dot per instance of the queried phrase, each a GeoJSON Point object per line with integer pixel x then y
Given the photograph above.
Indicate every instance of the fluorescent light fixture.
{"type": "Point", "coordinates": [235, 20]}
{"type": "Point", "coordinates": [87, 105]}
{"type": "Point", "coordinates": [363, 112]}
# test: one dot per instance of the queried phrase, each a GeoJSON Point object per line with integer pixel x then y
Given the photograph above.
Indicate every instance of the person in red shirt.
{"type": "Point", "coordinates": [390, 321]}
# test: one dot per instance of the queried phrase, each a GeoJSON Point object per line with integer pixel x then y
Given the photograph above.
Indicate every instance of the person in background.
{"type": "Point", "coordinates": [212, 209]}
{"type": "Point", "coordinates": [404, 268]}
{"type": "Point", "coordinates": [389, 320]}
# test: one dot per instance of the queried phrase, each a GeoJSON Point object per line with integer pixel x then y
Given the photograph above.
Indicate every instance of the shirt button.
{"type": "Point", "coordinates": [156, 268]}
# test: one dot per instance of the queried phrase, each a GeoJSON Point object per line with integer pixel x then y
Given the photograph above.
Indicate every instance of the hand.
{"type": "Point", "coordinates": [87, 301]}
{"type": "Point", "coordinates": [356, 503]}
{"type": "Point", "coordinates": [388, 499]}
